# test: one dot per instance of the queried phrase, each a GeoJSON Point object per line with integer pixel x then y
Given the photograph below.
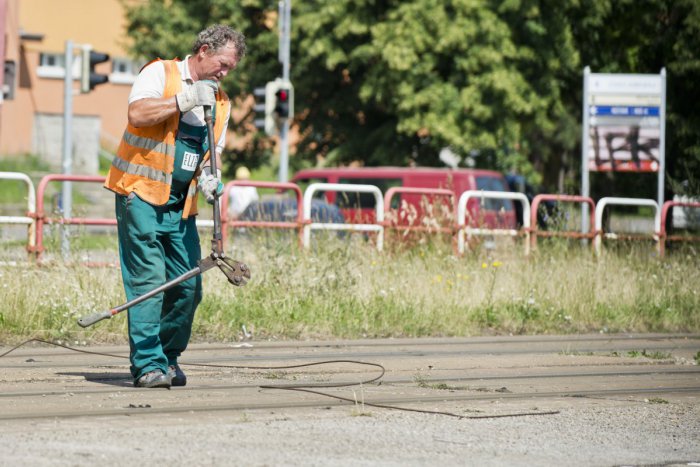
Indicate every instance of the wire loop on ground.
{"type": "Point", "coordinates": [308, 388]}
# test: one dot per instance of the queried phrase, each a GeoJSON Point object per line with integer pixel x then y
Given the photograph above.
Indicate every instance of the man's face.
{"type": "Point", "coordinates": [216, 65]}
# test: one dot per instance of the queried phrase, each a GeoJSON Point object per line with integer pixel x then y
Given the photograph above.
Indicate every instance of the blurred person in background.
{"type": "Point", "coordinates": [240, 197]}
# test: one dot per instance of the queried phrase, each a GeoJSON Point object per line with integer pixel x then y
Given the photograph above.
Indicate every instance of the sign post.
{"type": "Point", "coordinates": [623, 127]}
{"type": "Point", "coordinates": [285, 27]}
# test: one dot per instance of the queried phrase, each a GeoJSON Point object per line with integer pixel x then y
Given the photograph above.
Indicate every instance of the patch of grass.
{"type": "Point", "coordinates": [359, 409]}
{"type": "Point", "coordinates": [81, 242]}
{"type": "Point", "coordinates": [425, 384]}
{"type": "Point", "coordinates": [657, 355]}
{"type": "Point", "coordinates": [275, 375]}
{"type": "Point", "coordinates": [15, 191]}
{"type": "Point", "coordinates": [344, 288]}
{"type": "Point", "coordinates": [576, 353]}
{"type": "Point", "coordinates": [26, 163]}
{"type": "Point", "coordinates": [656, 400]}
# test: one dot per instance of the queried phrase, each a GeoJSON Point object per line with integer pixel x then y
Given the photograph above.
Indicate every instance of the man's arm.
{"type": "Point", "coordinates": [151, 111]}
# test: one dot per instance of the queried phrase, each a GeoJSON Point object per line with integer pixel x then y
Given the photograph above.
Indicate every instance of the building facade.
{"type": "Point", "coordinates": [31, 111]}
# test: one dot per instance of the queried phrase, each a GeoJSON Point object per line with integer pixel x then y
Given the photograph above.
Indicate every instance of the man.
{"type": "Point", "coordinates": [162, 161]}
{"type": "Point", "coordinates": [241, 196]}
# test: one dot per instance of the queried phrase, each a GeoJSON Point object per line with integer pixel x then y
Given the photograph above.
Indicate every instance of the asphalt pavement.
{"type": "Point", "coordinates": [598, 400]}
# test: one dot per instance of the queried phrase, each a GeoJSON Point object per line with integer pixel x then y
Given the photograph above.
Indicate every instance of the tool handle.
{"type": "Point", "coordinates": [216, 240]}
{"type": "Point", "coordinates": [212, 138]}
{"type": "Point", "coordinates": [86, 321]}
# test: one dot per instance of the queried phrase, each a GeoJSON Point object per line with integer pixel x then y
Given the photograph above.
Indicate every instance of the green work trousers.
{"type": "Point", "coordinates": [157, 245]}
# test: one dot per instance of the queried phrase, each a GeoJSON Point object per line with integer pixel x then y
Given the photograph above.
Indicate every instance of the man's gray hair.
{"type": "Point", "coordinates": [218, 36]}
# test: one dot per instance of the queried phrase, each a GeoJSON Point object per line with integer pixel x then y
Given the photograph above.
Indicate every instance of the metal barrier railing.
{"type": "Point", "coordinates": [605, 202]}
{"type": "Point", "coordinates": [42, 218]}
{"type": "Point", "coordinates": [37, 218]}
{"type": "Point", "coordinates": [463, 229]}
{"type": "Point", "coordinates": [663, 236]}
{"type": "Point", "coordinates": [393, 223]}
{"type": "Point", "coordinates": [339, 187]}
{"type": "Point", "coordinates": [536, 232]}
{"type": "Point", "coordinates": [230, 223]}
{"type": "Point", "coordinates": [30, 219]}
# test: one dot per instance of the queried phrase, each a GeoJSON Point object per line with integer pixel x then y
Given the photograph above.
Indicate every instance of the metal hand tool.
{"type": "Point", "coordinates": [236, 272]}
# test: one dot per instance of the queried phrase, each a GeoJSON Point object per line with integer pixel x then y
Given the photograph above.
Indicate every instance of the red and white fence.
{"type": "Point", "coordinates": [461, 225]}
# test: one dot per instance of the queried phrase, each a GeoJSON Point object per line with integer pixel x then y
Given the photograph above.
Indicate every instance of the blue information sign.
{"type": "Point", "coordinates": [624, 110]}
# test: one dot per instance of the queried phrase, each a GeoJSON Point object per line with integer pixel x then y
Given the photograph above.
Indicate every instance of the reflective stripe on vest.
{"type": "Point", "coordinates": [149, 144]}
{"type": "Point", "coordinates": [142, 171]}
{"type": "Point", "coordinates": [192, 189]}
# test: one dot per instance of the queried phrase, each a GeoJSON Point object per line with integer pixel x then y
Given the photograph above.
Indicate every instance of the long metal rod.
{"type": "Point", "coordinates": [216, 243]}
{"type": "Point", "coordinates": [99, 316]}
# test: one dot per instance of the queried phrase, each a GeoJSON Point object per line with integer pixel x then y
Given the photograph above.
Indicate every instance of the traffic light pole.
{"type": "Point", "coordinates": [88, 80]}
{"type": "Point", "coordinates": [285, 24]}
{"type": "Point", "coordinates": [67, 158]}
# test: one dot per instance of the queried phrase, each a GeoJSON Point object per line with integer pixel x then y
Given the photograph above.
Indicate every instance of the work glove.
{"type": "Point", "coordinates": [201, 93]}
{"type": "Point", "coordinates": [210, 185]}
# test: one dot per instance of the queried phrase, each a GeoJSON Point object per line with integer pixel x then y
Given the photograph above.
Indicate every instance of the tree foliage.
{"type": "Point", "coordinates": [497, 81]}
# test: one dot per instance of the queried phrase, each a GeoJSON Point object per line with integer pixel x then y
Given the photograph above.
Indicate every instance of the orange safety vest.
{"type": "Point", "coordinates": [146, 156]}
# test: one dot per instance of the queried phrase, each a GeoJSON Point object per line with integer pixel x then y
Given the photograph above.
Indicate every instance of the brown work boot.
{"type": "Point", "coordinates": [153, 379]}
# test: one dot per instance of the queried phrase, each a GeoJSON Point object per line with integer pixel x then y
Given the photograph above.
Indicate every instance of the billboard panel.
{"type": "Point", "coordinates": [623, 148]}
{"type": "Point", "coordinates": [623, 124]}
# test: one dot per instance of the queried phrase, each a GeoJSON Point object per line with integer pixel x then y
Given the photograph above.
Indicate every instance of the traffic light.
{"type": "Point", "coordinates": [277, 106]}
{"type": "Point", "coordinates": [284, 101]}
{"type": "Point", "coordinates": [270, 104]}
{"type": "Point", "coordinates": [88, 77]}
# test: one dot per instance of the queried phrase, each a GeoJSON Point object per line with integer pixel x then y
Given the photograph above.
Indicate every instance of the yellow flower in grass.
{"type": "Point", "coordinates": [437, 279]}
{"type": "Point", "coordinates": [484, 265]}
{"type": "Point", "coordinates": [496, 264]}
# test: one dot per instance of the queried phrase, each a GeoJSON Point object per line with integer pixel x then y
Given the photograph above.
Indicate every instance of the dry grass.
{"type": "Point", "coordinates": [347, 289]}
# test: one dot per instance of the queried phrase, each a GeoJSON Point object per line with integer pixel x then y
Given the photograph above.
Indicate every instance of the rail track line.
{"type": "Point", "coordinates": [323, 402]}
{"type": "Point", "coordinates": [612, 345]}
{"type": "Point", "coordinates": [481, 378]}
{"type": "Point", "coordinates": [423, 341]}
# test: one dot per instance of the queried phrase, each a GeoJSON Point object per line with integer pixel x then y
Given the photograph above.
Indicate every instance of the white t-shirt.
{"type": "Point", "coordinates": [241, 197]}
{"type": "Point", "coordinates": [151, 83]}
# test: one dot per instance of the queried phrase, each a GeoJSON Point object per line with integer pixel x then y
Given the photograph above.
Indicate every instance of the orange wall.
{"type": "Point", "coordinates": [97, 22]}
{"type": "Point", "coordinates": [100, 23]}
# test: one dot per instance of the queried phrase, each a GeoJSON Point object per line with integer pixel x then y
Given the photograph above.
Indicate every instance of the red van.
{"type": "Point", "coordinates": [360, 206]}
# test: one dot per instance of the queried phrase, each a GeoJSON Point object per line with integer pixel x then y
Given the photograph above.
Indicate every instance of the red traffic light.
{"type": "Point", "coordinates": [283, 95]}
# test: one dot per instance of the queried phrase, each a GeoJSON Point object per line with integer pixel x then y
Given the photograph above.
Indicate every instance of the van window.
{"type": "Point", "coordinates": [304, 183]}
{"type": "Point", "coordinates": [494, 184]}
{"type": "Point", "coordinates": [352, 200]}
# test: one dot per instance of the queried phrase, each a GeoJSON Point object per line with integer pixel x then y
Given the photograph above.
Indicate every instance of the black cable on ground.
{"type": "Point", "coordinates": [308, 388]}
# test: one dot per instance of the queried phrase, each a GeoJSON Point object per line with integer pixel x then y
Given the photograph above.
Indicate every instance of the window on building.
{"type": "Point", "coordinates": [52, 65]}
{"type": "Point", "coordinates": [124, 70]}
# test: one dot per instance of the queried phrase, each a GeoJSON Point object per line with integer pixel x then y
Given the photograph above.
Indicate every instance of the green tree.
{"type": "Point", "coordinates": [497, 81]}
{"type": "Point", "coordinates": [644, 36]}
{"type": "Point", "coordinates": [394, 82]}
